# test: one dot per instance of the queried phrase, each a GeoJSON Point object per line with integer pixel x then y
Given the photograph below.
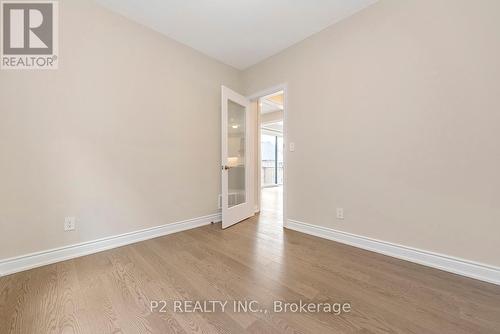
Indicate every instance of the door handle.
{"type": "Point", "coordinates": [225, 167]}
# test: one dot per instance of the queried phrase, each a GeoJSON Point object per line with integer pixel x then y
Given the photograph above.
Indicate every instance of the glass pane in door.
{"type": "Point", "coordinates": [236, 153]}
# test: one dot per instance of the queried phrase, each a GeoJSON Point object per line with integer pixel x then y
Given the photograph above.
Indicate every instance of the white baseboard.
{"type": "Point", "coordinates": [454, 265]}
{"type": "Point", "coordinates": [38, 259]}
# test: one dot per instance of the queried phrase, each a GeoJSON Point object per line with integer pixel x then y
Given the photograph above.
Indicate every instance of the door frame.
{"type": "Point", "coordinates": [255, 98]}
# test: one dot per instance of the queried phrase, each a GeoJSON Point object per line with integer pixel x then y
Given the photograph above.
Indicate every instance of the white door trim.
{"type": "Point", "coordinates": [274, 89]}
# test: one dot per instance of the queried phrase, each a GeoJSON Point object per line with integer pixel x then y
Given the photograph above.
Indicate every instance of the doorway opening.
{"type": "Point", "coordinates": [253, 168]}
{"type": "Point", "coordinates": [271, 162]}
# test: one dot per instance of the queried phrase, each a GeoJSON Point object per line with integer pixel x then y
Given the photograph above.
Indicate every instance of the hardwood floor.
{"type": "Point", "coordinates": [111, 292]}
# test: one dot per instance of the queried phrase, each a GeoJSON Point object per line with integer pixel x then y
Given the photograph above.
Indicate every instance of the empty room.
{"type": "Point", "coordinates": [249, 166]}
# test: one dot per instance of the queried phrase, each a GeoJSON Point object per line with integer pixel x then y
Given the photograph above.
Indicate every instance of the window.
{"type": "Point", "coordinates": [272, 159]}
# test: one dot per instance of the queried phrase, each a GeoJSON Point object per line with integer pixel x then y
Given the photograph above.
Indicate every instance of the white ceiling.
{"type": "Point", "coordinates": [239, 33]}
{"type": "Point", "coordinates": [268, 106]}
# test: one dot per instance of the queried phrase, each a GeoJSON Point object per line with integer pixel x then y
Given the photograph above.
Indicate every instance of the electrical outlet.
{"type": "Point", "coordinates": [69, 223]}
{"type": "Point", "coordinates": [340, 213]}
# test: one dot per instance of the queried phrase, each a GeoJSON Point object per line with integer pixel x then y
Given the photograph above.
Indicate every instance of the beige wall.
{"type": "Point", "coordinates": [396, 111]}
{"type": "Point", "coordinates": [117, 136]}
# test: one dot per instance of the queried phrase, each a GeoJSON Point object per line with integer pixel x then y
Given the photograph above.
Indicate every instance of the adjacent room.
{"type": "Point", "coordinates": [271, 154]}
{"type": "Point", "coordinates": [249, 166]}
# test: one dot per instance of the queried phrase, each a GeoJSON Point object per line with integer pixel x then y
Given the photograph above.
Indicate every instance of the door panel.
{"type": "Point", "coordinates": [237, 177]}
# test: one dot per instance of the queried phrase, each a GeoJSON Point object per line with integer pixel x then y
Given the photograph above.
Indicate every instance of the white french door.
{"type": "Point", "coordinates": [237, 158]}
